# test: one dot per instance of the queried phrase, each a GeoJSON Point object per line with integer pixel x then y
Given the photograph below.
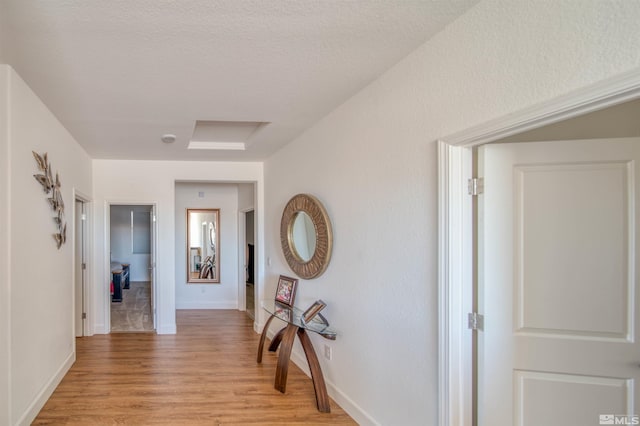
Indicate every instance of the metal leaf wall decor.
{"type": "Point", "coordinates": [52, 187]}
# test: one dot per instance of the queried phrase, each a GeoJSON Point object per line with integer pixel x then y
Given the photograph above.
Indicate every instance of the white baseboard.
{"type": "Point", "coordinates": [164, 329]}
{"type": "Point", "coordinates": [43, 396]}
{"type": "Point", "coordinates": [100, 329]}
{"type": "Point", "coordinates": [205, 305]}
{"type": "Point", "coordinates": [167, 329]}
{"type": "Point", "coordinates": [347, 404]}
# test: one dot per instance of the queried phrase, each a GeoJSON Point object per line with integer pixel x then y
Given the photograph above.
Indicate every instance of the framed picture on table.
{"type": "Point", "coordinates": [314, 310]}
{"type": "Point", "coordinates": [286, 290]}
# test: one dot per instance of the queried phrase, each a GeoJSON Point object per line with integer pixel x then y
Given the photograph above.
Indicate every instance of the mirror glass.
{"type": "Point", "coordinates": [203, 246]}
{"type": "Point", "coordinates": [303, 236]}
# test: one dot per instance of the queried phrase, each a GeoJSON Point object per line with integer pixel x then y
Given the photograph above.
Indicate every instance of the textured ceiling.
{"type": "Point", "coordinates": [121, 73]}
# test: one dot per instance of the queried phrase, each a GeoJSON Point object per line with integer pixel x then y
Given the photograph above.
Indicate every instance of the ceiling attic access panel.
{"type": "Point", "coordinates": [223, 135]}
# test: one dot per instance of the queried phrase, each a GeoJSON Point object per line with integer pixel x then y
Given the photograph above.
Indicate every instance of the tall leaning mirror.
{"type": "Point", "coordinates": [306, 236]}
{"type": "Point", "coordinates": [203, 246]}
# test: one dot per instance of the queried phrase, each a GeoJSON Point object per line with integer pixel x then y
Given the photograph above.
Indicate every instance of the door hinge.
{"type": "Point", "coordinates": [84, 315]}
{"type": "Point", "coordinates": [475, 321]}
{"type": "Point", "coordinates": [84, 266]}
{"type": "Point", "coordinates": [475, 186]}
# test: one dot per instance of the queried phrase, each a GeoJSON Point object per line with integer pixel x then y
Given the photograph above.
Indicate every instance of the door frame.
{"type": "Point", "coordinates": [107, 257]}
{"type": "Point", "coordinates": [153, 263]}
{"type": "Point", "coordinates": [455, 238]}
{"type": "Point", "coordinates": [88, 254]}
{"type": "Point", "coordinates": [242, 260]}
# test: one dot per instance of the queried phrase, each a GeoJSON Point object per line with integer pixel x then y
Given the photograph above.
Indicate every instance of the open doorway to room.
{"type": "Point", "coordinates": [132, 240]}
{"type": "Point", "coordinates": [535, 210]}
{"type": "Point", "coordinates": [249, 262]}
{"type": "Point", "coordinates": [231, 200]}
{"type": "Point", "coordinates": [583, 137]}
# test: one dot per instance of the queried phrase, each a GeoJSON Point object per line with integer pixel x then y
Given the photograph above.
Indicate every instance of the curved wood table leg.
{"type": "Point", "coordinates": [322, 398]}
{"type": "Point", "coordinates": [262, 338]}
{"type": "Point", "coordinates": [282, 369]}
{"type": "Point", "coordinates": [275, 342]}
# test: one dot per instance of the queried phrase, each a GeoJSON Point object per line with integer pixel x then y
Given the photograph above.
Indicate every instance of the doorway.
{"type": "Point", "coordinates": [456, 269]}
{"type": "Point", "coordinates": [249, 262]}
{"type": "Point", "coordinates": [132, 268]}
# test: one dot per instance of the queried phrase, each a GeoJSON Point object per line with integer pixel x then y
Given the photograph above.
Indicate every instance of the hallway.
{"type": "Point", "coordinates": [205, 374]}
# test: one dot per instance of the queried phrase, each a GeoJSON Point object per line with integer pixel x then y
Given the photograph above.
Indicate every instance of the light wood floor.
{"type": "Point", "coordinates": [205, 374]}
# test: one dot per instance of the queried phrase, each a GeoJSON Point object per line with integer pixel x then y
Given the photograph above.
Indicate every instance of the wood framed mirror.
{"type": "Point", "coordinates": [203, 246]}
{"type": "Point", "coordinates": [306, 236]}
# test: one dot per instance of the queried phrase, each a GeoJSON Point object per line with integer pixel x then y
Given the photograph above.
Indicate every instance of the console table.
{"type": "Point", "coordinates": [285, 337]}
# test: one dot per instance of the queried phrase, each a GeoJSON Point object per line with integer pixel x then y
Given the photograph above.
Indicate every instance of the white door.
{"type": "Point", "coordinates": [557, 283]}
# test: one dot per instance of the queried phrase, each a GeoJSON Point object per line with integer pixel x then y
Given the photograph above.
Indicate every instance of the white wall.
{"type": "Point", "coordinates": [372, 162]}
{"type": "Point", "coordinates": [4, 246]}
{"type": "Point", "coordinates": [40, 277]}
{"type": "Point", "coordinates": [246, 196]}
{"type": "Point", "coordinates": [208, 296]}
{"type": "Point", "coordinates": [143, 182]}
{"type": "Point", "coordinates": [120, 238]}
{"type": "Point", "coordinates": [4, 40]}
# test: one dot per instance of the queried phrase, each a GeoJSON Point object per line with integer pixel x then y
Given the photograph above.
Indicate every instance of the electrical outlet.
{"type": "Point", "coordinates": [327, 352]}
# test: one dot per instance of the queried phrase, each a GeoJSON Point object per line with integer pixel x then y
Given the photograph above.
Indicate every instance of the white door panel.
{"type": "Point", "coordinates": [569, 238]}
{"type": "Point", "coordinates": [557, 284]}
{"type": "Point", "coordinates": [548, 399]}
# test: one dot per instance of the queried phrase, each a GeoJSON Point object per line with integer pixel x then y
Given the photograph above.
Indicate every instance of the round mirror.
{"type": "Point", "coordinates": [305, 235]}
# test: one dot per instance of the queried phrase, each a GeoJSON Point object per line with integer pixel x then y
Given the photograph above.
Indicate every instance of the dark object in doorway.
{"type": "Point", "coordinates": [120, 280]}
{"type": "Point", "coordinates": [250, 263]}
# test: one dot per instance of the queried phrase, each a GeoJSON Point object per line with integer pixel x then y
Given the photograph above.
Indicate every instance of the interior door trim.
{"type": "Point", "coordinates": [455, 244]}
{"type": "Point", "coordinates": [88, 253]}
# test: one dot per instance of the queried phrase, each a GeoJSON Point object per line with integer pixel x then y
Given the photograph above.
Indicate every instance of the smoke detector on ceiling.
{"type": "Point", "coordinates": [168, 138]}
